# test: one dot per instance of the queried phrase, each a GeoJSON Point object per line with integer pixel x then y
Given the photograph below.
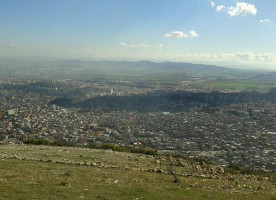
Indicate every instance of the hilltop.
{"type": "Point", "coordinates": [47, 172]}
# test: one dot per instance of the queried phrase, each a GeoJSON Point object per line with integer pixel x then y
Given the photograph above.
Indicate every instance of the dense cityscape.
{"type": "Point", "coordinates": [241, 133]}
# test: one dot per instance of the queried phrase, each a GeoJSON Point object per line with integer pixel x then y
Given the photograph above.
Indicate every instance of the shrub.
{"type": "Point", "coordinates": [237, 169]}
{"type": "Point", "coordinates": [144, 151]}
{"type": "Point", "coordinates": [37, 142]}
{"type": "Point", "coordinates": [46, 142]}
{"type": "Point", "coordinates": [114, 147]}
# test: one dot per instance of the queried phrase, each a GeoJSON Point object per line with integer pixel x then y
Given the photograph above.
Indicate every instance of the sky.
{"type": "Point", "coordinates": [223, 32]}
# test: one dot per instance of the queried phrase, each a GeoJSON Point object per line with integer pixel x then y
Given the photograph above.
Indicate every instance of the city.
{"type": "Point", "coordinates": [241, 133]}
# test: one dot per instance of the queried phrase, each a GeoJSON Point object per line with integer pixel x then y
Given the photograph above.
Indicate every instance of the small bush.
{"type": "Point", "coordinates": [37, 142]}
{"type": "Point", "coordinates": [237, 169]}
{"type": "Point", "coordinates": [124, 149]}
{"type": "Point", "coordinates": [144, 151]}
{"type": "Point", "coordinates": [114, 147]}
{"type": "Point", "coordinates": [46, 142]}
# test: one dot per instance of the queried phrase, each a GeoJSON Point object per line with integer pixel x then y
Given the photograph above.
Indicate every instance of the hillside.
{"type": "Point", "coordinates": [44, 172]}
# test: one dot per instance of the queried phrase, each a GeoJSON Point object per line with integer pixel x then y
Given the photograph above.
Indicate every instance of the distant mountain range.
{"type": "Point", "coordinates": [143, 66]}
{"type": "Point", "coordinates": [87, 69]}
{"type": "Point", "coordinates": [128, 67]}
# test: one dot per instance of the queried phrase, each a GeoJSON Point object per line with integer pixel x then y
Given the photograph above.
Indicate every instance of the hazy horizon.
{"type": "Point", "coordinates": [220, 32]}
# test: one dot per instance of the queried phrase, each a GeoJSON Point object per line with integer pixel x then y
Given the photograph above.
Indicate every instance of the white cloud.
{"type": "Point", "coordinates": [245, 56]}
{"type": "Point", "coordinates": [265, 21]}
{"type": "Point", "coordinates": [252, 57]}
{"type": "Point", "coordinates": [176, 34]}
{"type": "Point", "coordinates": [180, 34]}
{"type": "Point", "coordinates": [141, 45]}
{"type": "Point", "coordinates": [123, 44]}
{"type": "Point", "coordinates": [242, 9]}
{"type": "Point", "coordinates": [193, 34]}
{"type": "Point", "coordinates": [220, 8]}
{"type": "Point", "coordinates": [239, 57]}
{"type": "Point", "coordinates": [160, 46]}
{"type": "Point", "coordinates": [212, 4]}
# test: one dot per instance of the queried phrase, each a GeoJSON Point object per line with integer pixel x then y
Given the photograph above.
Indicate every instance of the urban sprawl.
{"type": "Point", "coordinates": [243, 133]}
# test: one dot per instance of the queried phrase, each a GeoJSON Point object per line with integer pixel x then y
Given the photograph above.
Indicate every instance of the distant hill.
{"type": "Point", "coordinates": [63, 69]}
{"type": "Point", "coordinates": [142, 66]}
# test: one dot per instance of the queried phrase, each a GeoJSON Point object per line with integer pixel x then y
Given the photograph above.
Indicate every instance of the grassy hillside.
{"type": "Point", "coordinates": [42, 172]}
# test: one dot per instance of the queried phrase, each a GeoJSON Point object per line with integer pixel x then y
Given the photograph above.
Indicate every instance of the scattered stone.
{"type": "Point", "coordinates": [63, 184]}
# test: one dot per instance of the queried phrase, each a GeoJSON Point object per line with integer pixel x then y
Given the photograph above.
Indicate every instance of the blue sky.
{"type": "Point", "coordinates": [224, 32]}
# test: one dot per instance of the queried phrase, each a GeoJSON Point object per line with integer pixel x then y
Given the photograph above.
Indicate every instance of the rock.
{"type": "Point", "coordinates": [152, 170]}
{"type": "Point", "coordinates": [231, 178]}
{"type": "Point", "coordinates": [160, 171]}
{"type": "Point", "coordinates": [220, 170]}
{"type": "Point", "coordinates": [202, 164]}
{"type": "Point", "coordinates": [189, 175]}
{"type": "Point", "coordinates": [63, 184]}
{"type": "Point", "coordinates": [260, 188]}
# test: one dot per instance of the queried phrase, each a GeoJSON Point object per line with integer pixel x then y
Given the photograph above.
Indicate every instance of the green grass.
{"type": "Point", "coordinates": [27, 179]}
{"type": "Point", "coordinates": [32, 180]}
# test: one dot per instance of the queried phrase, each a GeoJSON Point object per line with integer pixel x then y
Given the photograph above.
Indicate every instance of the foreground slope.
{"type": "Point", "coordinates": [43, 172]}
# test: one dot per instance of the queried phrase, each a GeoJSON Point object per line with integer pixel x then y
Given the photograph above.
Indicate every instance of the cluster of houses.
{"type": "Point", "coordinates": [243, 134]}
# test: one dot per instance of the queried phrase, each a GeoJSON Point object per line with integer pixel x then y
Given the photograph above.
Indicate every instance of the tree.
{"type": "Point", "coordinates": [170, 169]}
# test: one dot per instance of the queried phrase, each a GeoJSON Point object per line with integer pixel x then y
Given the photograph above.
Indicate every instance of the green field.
{"type": "Point", "coordinates": [241, 85]}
